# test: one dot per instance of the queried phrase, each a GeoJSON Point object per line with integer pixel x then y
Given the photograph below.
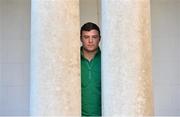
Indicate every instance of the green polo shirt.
{"type": "Point", "coordinates": [91, 85]}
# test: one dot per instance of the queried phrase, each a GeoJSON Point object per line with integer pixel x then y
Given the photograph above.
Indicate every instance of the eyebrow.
{"type": "Point", "coordinates": [91, 35]}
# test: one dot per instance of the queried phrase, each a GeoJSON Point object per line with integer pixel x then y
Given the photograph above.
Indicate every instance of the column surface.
{"type": "Point", "coordinates": [55, 58]}
{"type": "Point", "coordinates": [126, 58]}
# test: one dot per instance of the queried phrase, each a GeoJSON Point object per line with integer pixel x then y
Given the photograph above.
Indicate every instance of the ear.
{"type": "Point", "coordinates": [81, 38]}
{"type": "Point", "coordinates": [99, 38]}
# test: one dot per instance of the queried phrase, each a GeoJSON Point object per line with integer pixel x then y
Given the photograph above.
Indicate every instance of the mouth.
{"type": "Point", "coordinates": [90, 46]}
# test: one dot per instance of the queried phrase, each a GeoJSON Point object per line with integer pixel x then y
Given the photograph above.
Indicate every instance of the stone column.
{"type": "Point", "coordinates": [55, 58]}
{"type": "Point", "coordinates": [126, 58]}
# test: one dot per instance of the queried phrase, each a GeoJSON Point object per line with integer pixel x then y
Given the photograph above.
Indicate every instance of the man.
{"type": "Point", "coordinates": [90, 70]}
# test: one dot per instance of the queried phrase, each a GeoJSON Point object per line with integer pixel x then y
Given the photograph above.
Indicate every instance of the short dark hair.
{"type": "Point", "coordinates": [90, 26]}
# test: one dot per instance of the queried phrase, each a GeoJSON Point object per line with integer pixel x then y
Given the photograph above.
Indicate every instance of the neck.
{"type": "Point", "coordinates": [89, 55]}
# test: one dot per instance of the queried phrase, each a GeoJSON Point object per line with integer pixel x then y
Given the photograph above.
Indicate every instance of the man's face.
{"type": "Point", "coordinates": [90, 40]}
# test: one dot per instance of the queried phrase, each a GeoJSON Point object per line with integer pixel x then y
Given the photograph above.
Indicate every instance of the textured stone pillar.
{"type": "Point", "coordinates": [126, 58]}
{"type": "Point", "coordinates": [55, 58]}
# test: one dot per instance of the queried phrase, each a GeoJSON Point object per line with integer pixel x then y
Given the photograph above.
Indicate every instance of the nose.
{"type": "Point", "coordinates": [90, 40]}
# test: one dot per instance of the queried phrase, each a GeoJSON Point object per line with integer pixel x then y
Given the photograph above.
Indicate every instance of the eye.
{"type": "Point", "coordinates": [95, 37]}
{"type": "Point", "coordinates": [85, 37]}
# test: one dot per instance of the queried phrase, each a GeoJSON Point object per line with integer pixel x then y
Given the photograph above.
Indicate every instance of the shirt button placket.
{"type": "Point", "coordinates": [89, 69]}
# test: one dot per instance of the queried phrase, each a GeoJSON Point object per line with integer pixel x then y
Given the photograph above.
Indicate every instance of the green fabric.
{"type": "Point", "coordinates": [91, 85]}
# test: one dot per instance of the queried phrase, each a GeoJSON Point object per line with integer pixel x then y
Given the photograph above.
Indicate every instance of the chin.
{"type": "Point", "coordinates": [91, 50]}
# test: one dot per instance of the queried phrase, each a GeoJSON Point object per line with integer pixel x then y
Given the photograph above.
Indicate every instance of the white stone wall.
{"type": "Point", "coordinates": [126, 58]}
{"type": "Point", "coordinates": [55, 58]}
{"type": "Point", "coordinates": [14, 56]}
{"type": "Point", "coordinates": [166, 56]}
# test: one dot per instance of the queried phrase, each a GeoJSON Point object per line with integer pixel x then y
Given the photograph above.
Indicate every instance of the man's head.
{"type": "Point", "coordinates": [90, 37]}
